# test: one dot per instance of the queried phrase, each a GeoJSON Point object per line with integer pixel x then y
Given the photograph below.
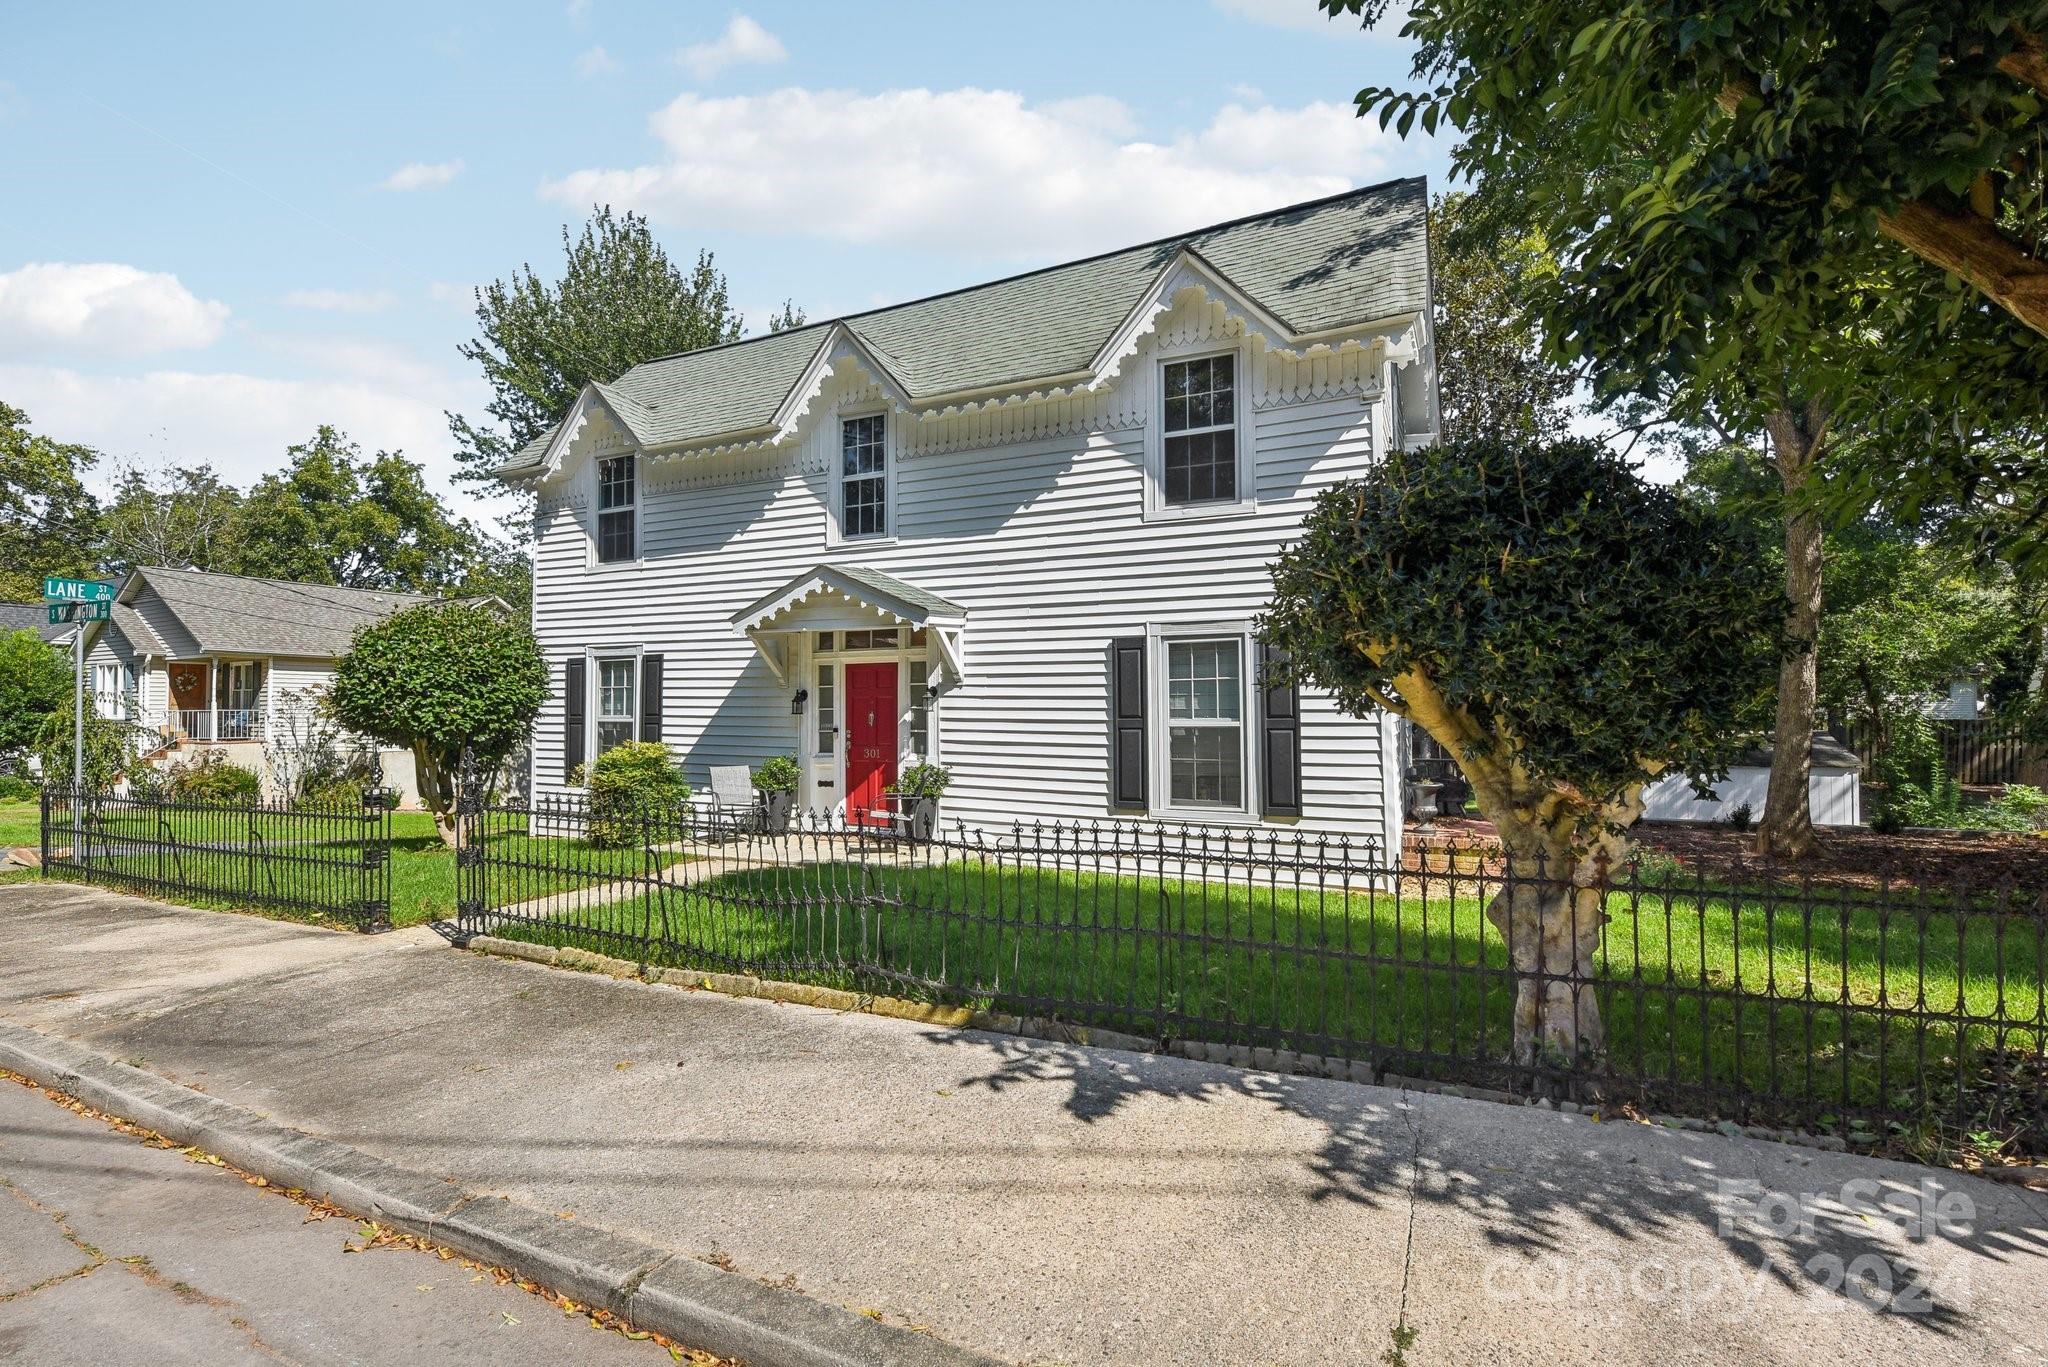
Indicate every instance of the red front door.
{"type": "Point", "coordinates": [870, 738]}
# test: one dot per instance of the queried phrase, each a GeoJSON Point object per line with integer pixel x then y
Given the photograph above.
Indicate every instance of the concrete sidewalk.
{"type": "Point", "coordinates": [1033, 1201]}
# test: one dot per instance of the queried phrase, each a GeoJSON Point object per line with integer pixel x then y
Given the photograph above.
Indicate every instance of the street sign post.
{"type": "Point", "coordinates": [79, 601]}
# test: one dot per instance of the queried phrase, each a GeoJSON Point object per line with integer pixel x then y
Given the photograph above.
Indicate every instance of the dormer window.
{"type": "Point", "coordinates": [1199, 462]}
{"type": "Point", "coordinates": [863, 478]}
{"type": "Point", "coordinates": [617, 502]}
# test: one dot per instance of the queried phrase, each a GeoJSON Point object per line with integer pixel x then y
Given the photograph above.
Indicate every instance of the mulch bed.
{"type": "Point", "coordinates": [1845, 858]}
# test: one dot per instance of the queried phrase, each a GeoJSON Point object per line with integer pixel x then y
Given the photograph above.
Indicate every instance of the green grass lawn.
{"type": "Point", "coordinates": [20, 824]}
{"type": "Point", "coordinates": [307, 866]}
{"type": "Point", "coordinates": [1697, 993]}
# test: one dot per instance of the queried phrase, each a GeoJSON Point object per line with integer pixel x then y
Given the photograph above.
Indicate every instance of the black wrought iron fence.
{"type": "Point", "coordinates": [331, 861]}
{"type": "Point", "coordinates": [1730, 992]}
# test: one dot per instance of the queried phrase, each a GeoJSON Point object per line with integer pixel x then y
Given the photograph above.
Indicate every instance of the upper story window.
{"type": "Point", "coordinates": [617, 502]}
{"type": "Point", "coordinates": [1199, 460]}
{"type": "Point", "coordinates": [863, 478]}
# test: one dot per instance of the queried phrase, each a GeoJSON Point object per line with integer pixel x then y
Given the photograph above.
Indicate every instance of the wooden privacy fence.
{"type": "Point", "coordinates": [1979, 751]}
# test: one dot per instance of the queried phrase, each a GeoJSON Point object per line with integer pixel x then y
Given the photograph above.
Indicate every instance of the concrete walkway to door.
{"type": "Point", "coordinates": [1040, 1203]}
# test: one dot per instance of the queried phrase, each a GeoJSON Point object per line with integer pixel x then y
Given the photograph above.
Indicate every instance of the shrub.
{"type": "Point", "coordinates": [922, 780]}
{"type": "Point", "coordinates": [777, 775]}
{"type": "Point", "coordinates": [627, 782]}
{"type": "Point", "coordinates": [1741, 817]}
{"type": "Point", "coordinates": [210, 776]}
{"type": "Point", "coordinates": [15, 788]}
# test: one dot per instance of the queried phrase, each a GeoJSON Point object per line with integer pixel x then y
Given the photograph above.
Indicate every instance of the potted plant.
{"type": "Point", "coordinates": [917, 790]}
{"type": "Point", "coordinates": [776, 781]}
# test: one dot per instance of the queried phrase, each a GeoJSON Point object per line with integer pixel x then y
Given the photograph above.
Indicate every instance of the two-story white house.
{"type": "Point", "coordinates": [1021, 529]}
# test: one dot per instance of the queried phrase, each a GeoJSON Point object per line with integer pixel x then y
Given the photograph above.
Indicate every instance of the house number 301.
{"type": "Point", "coordinates": [871, 752]}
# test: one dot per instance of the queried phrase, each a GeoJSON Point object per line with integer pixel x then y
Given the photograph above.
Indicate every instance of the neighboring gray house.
{"type": "Point", "coordinates": [33, 617]}
{"type": "Point", "coordinates": [223, 660]}
{"type": "Point", "coordinates": [1022, 529]}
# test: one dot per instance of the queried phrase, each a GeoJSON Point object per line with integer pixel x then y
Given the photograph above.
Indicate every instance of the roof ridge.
{"type": "Point", "coordinates": [1190, 234]}
{"type": "Point", "coordinates": [272, 579]}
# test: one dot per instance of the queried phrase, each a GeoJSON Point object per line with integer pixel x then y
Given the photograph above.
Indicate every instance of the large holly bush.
{"type": "Point", "coordinates": [1568, 623]}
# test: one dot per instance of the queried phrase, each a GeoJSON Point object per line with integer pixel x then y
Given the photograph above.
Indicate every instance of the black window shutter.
{"type": "Point", "coordinates": [650, 697]}
{"type": "Point", "coordinates": [575, 690]}
{"type": "Point", "coordinates": [1127, 721]}
{"type": "Point", "coordinates": [1279, 735]}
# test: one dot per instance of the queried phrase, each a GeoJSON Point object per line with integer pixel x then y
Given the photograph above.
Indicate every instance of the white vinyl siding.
{"type": "Point", "coordinates": [1046, 543]}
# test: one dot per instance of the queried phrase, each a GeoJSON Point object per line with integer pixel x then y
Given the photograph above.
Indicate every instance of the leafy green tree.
{"type": "Point", "coordinates": [334, 516]}
{"type": "Point", "coordinates": [34, 682]}
{"type": "Point", "coordinates": [1906, 618]}
{"type": "Point", "coordinates": [1533, 607]}
{"type": "Point", "coordinates": [1493, 374]}
{"type": "Point", "coordinates": [442, 680]}
{"type": "Point", "coordinates": [1791, 139]}
{"type": "Point", "coordinates": [620, 301]}
{"type": "Point", "coordinates": [177, 516]}
{"type": "Point", "coordinates": [109, 749]}
{"type": "Point", "coordinates": [49, 523]}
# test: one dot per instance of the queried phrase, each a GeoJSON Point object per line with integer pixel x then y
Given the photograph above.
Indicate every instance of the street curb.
{"type": "Point", "coordinates": [655, 1289]}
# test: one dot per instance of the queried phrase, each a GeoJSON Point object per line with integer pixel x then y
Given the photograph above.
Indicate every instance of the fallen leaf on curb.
{"type": "Point", "coordinates": [871, 1314]}
{"type": "Point", "coordinates": [508, 1318]}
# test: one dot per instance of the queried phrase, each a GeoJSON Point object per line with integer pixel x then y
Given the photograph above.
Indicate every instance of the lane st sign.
{"type": "Point", "coordinates": [80, 612]}
{"type": "Point", "coordinates": [60, 590]}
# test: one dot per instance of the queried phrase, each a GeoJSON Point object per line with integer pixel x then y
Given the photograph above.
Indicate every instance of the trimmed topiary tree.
{"type": "Point", "coordinates": [1568, 632]}
{"type": "Point", "coordinates": [440, 680]}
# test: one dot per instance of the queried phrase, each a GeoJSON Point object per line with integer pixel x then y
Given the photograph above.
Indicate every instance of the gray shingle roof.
{"type": "Point", "coordinates": [230, 614]}
{"type": "Point", "coordinates": [30, 617]}
{"type": "Point", "coordinates": [889, 586]}
{"type": "Point", "coordinates": [1349, 259]}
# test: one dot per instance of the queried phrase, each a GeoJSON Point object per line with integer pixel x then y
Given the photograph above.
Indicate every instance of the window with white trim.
{"type": "Point", "coordinates": [1198, 457]}
{"type": "Point", "coordinates": [919, 674]}
{"type": "Point", "coordinates": [111, 685]}
{"type": "Point", "coordinates": [863, 478]}
{"type": "Point", "coordinates": [1205, 723]}
{"type": "Point", "coordinates": [828, 710]}
{"type": "Point", "coordinates": [618, 498]}
{"type": "Point", "coordinates": [618, 713]}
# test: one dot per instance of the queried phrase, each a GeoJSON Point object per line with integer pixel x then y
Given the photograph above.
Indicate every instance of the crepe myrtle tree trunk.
{"type": "Point", "coordinates": [1797, 435]}
{"type": "Point", "coordinates": [439, 782]}
{"type": "Point", "coordinates": [1562, 851]}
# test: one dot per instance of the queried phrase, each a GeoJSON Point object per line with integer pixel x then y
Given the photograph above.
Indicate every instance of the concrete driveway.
{"type": "Point", "coordinates": [1038, 1202]}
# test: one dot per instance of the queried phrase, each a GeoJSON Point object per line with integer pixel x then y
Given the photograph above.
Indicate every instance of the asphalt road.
{"type": "Point", "coordinates": [113, 1251]}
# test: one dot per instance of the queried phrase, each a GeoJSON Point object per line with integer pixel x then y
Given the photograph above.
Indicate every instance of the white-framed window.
{"type": "Point", "coordinates": [111, 685]}
{"type": "Point", "coordinates": [918, 673]}
{"type": "Point", "coordinates": [1197, 456]}
{"type": "Point", "coordinates": [828, 705]}
{"type": "Point", "coordinates": [1204, 746]}
{"type": "Point", "coordinates": [617, 713]}
{"type": "Point", "coordinates": [863, 477]}
{"type": "Point", "coordinates": [618, 510]}
{"type": "Point", "coordinates": [1198, 431]}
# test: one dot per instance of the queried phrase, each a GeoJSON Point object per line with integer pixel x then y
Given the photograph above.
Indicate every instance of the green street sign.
{"type": "Point", "coordinates": [80, 612]}
{"type": "Point", "coordinates": [57, 590]}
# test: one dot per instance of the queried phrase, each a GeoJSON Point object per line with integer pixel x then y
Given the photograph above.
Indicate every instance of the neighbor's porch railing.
{"type": "Point", "coordinates": [208, 723]}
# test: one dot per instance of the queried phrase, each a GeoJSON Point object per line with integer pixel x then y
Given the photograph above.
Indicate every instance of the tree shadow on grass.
{"type": "Point", "coordinates": [1663, 1207]}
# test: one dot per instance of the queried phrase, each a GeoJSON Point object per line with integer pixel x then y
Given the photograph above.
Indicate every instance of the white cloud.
{"type": "Point", "coordinates": [448, 292]}
{"type": "Point", "coordinates": [578, 10]}
{"type": "Point", "coordinates": [979, 171]}
{"type": "Point", "coordinates": [422, 175]}
{"type": "Point", "coordinates": [103, 307]}
{"type": "Point", "coordinates": [341, 301]}
{"type": "Point", "coordinates": [241, 423]}
{"type": "Point", "coordinates": [743, 41]}
{"type": "Point", "coordinates": [1304, 14]}
{"type": "Point", "coordinates": [596, 62]}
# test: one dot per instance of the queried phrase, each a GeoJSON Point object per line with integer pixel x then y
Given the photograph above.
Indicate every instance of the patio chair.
{"type": "Point", "coordinates": [733, 808]}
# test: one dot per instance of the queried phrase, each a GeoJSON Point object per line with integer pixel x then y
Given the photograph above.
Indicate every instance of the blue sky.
{"type": "Point", "coordinates": [230, 224]}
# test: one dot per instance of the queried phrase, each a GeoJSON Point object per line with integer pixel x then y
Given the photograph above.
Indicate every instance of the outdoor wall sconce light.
{"type": "Point", "coordinates": [796, 704]}
{"type": "Point", "coordinates": [931, 691]}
